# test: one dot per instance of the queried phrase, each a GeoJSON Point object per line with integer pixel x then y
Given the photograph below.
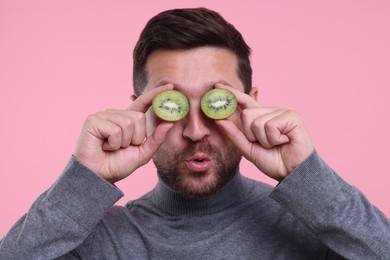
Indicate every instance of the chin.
{"type": "Point", "coordinates": [199, 185]}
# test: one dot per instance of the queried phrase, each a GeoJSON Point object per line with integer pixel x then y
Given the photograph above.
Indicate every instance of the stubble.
{"type": "Point", "coordinates": [173, 171]}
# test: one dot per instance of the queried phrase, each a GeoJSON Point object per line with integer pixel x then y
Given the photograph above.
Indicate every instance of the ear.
{"type": "Point", "coordinates": [133, 97]}
{"type": "Point", "coordinates": [253, 93]}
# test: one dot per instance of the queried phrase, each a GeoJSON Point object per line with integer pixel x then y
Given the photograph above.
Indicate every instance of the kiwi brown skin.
{"type": "Point", "coordinates": [170, 105]}
{"type": "Point", "coordinates": [218, 103]}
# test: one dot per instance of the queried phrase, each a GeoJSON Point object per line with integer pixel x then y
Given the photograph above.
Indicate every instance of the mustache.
{"type": "Point", "coordinates": [203, 146]}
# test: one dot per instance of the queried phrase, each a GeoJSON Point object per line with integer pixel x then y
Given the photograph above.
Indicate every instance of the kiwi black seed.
{"type": "Point", "coordinates": [218, 103]}
{"type": "Point", "coordinates": [170, 105]}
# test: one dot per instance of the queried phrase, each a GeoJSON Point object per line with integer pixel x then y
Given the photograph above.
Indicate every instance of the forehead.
{"type": "Point", "coordinates": [198, 68]}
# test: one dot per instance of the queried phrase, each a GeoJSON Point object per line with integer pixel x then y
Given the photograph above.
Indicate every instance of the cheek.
{"type": "Point", "coordinates": [174, 138]}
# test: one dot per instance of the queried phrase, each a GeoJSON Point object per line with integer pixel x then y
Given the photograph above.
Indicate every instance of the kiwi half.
{"type": "Point", "coordinates": [170, 105]}
{"type": "Point", "coordinates": [218, 103]}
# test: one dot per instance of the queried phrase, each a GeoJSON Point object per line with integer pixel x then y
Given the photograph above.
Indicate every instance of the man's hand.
{"type": "Point", "coordinates": [274, 139]}
{"type": "Point", "coordinates": [113, 143]}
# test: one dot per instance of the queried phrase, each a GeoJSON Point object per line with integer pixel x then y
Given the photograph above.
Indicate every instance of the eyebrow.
{"type": "Point", "coordinates": [177, 86]}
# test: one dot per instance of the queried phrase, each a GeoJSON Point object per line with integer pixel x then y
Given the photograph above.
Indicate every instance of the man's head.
{"type": "Point", "coordinates": [183, 29]}
{"type": "Point", "coordinates": [193, 50]}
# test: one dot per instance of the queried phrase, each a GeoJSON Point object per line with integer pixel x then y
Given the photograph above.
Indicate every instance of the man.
{"type": "Point", "coordinates": [202, 207]}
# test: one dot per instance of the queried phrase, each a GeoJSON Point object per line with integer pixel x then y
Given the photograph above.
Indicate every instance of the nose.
{"type": "Point", "coordinates": [196, 125]}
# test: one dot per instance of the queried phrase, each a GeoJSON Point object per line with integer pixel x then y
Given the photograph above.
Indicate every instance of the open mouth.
{"type": "Point", "coordinates": [199, 162]}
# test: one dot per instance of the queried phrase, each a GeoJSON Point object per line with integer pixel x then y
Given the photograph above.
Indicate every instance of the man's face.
{"type": "Point", "coordinates": [195, 159]}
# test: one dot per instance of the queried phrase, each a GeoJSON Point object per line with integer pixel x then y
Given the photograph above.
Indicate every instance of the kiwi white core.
{"type": "Point", "coordinates": [171, 105]}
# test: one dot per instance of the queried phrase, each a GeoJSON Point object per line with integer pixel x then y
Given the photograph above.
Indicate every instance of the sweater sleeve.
{"type": "Point", "coordinates": [337, 213]}
{"type": "Point", "coordinates": [62, 217]}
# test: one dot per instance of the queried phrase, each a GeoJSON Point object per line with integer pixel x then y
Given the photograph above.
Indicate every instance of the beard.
{"type": "Point", "coordinates": [171, 166]}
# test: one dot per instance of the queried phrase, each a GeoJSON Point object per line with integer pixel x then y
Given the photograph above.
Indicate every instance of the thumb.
{"type": "Point", "coordinates": [153, 142]}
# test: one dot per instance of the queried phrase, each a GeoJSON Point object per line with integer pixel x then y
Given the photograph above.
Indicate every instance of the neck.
{"type": "Point", "coordinates": [177, 203]}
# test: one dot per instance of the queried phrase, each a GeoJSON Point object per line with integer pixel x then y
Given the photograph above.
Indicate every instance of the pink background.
{"type": "Point", "coordinates": [63, 60]}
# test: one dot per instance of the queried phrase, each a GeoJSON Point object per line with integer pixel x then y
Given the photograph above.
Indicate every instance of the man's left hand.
{"type": "Point", "coordinates": [274, 139]}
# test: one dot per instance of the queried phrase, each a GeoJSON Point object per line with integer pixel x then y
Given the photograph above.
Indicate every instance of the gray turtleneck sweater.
{"type": "Point", "coordinates": [312, 214]}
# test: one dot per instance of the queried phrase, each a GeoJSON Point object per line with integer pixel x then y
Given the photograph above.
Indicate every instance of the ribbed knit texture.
{"type": "Point", "coordinates": [175, 203]}
{"type": "Point", "coordinates": [312, 214]}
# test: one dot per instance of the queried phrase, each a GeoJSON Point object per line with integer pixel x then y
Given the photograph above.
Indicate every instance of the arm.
{"type": "Point", "coordinates": [112, 145]}
{"type": "Point", "coordinates": [62, 217]}
{"type": "Point", "coordinates": [276, 141]}
{"type": "Point", "coordinates": [339, 214]}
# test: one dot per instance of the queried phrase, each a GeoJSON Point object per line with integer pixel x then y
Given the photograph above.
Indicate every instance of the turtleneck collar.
{"type": "Point", "coordinates": [176, 203]}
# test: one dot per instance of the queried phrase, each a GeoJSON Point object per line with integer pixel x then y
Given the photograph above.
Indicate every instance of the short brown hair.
{"type": "Point", "coordinates": [186, 29]}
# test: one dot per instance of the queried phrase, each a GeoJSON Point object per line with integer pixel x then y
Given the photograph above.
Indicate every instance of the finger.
{"type": "Point", "coordinates": [264, 129]}
{"type": "Point", "coordinates": [275, 135]}
{"type": "Point", "coordinates": [112, 134]}
{"type": "Point", "coordinates": [279, 128]}
{"type": "Point", "coordinates": [248, 116]}
{"type": "Point", "coordinates": [243, 99]}
{"type": "Point", "coordinates": [153, 142]}
{"type": "Point", "coordinates": [143, 102]}
{"type": "Point", "coordinates": [236, 136]}
{"type": "Point", "coordinates": [107, 132]}
{"type": "Point", "coordinates": [139, 129]}
{"type": "Point", "coordinates": [124, 120]}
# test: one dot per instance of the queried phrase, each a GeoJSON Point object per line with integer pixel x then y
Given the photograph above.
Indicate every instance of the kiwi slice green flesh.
{"type": "Point", "coordinates": [218, 103]}
{"type": "Point", "coordinates": [170, 105]}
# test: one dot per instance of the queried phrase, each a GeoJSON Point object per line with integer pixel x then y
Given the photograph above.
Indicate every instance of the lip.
{"type": "Point", "coordinates": [199, 162]}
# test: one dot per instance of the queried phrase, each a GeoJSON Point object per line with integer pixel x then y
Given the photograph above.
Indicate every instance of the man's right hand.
{"type": "Point", "coordinates": [113, 143]}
